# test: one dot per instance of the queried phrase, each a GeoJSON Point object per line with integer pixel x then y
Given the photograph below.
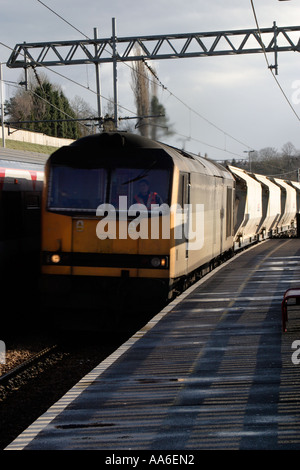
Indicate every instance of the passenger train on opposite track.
{"type": "Point", "coordinates": [21, 185]}
{"type": "Point", "coordinates": [128, 217]}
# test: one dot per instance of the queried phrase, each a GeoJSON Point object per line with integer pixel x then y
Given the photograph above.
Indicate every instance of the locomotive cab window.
{"type": "Point", "coordinates": [76, 189]}
{"type": "Point", "coordinates": [80, 185]}
{"type": "Point", "coordinates": [138, 186]}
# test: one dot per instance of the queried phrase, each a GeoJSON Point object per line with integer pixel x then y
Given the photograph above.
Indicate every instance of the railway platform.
{"type": "Point", "coordinates": [213, 370]}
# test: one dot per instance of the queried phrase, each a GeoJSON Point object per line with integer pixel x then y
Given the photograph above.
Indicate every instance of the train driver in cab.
{"type": "Point", "coordinates": [145, 196]}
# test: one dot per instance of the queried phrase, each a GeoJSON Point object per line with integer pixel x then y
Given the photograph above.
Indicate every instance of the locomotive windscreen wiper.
{"type": "Point", "coordinates": [141, 175]}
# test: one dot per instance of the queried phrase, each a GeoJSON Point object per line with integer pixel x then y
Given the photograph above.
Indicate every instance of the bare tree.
{"type": "Point", "coordinates": [83, 110]}
{"type": "Point", "coordinates": [288, 150]}
{"type": "Point", "coordinates": [140, 88]}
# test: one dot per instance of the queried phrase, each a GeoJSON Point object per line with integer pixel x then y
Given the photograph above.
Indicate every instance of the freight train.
{"type": "Point", "coordinates": [127, 217]}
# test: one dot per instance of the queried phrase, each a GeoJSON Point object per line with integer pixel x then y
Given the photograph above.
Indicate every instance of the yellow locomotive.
{"type": "Point", "coordinates": [125, 214]}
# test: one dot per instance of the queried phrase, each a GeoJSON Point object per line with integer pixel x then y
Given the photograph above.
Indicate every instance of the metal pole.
{"type": "Point", "coordinates": [2, 106]}
{"type": "Point", "coordinates": [275, 48]}
{"type": "Point", "coordinates": [249, 157]}
{"type": "Point", "coordinates": [250, 151]}
{"type": "Point", "coordinates": [26, 72]}
{"type": "Point", "coordinates": [97, 65]}
{"type": "Point", "coordinates": [115, 75]}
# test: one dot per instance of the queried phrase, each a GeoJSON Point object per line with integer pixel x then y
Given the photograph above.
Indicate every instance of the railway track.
{"type": "Point", "coordinates": [27, 364]}
{"type": "Point", "coordinates": [30, 387]}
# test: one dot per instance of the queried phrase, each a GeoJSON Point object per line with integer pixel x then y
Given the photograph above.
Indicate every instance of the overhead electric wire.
{"type": "Point", "coordinates": [17, 85]}
{"type": "Point", "coordinates": [267, 61]}
{"type": "Point", "coordinates": [71, 118]}
{"type": "Point", "coordinates": [282, 174]}
{"type": "Point", "coordinates": [87, 37]}
{"type": "Point", "coordinates": [159, 83]}
{"type": "Point", "coordinates": [59, 16]}
{"type": "Point", "coordinates": [209, 145]}
{"type": "Point", "coordinates": [73, 81]}
{"type": "Point", "coordinates": [165, 88]}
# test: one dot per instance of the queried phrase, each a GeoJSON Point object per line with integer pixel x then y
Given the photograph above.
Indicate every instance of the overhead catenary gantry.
{"type": "Point", "coordinates": [167, 46]}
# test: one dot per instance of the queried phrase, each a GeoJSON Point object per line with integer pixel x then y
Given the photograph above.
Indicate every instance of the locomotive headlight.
{"type": "Point", "coordinates": [55, 259]}
{"type": "Point", "coordinates": [158, 262]}
{"type": "Point", "coordinates": [155, 262]}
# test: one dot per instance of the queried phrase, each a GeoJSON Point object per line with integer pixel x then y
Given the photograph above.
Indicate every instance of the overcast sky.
{"type": "Point", "coordinates": [236, 94]}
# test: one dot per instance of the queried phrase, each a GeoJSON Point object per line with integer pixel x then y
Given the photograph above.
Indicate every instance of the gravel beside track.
{"type": "Point", "coordinates": [25, 397]}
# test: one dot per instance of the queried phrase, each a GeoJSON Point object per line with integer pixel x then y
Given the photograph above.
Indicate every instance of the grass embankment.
{"type": "Point", "coordinates": [17, 145]}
